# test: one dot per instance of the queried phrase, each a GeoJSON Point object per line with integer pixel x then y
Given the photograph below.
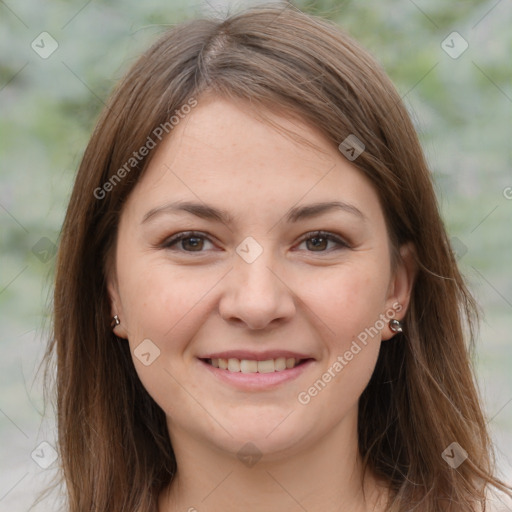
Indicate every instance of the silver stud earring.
{"type": "Point", "coordinates": [115, 321]}
{"type": "Point", "coordinates": [396, 325]}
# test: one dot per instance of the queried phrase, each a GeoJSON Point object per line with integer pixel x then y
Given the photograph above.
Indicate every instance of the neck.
{"type": "Point", "coordinates": [327, 475]}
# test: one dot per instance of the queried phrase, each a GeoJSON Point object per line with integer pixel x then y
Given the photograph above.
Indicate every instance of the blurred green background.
{"type": "Point", "coordinates": [460, 101]}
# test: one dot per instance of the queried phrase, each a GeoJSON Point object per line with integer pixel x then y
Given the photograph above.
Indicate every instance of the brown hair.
{"type": "Point", "coordinates": [112, 437]}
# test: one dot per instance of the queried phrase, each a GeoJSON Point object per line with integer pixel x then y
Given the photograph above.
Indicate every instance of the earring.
{"type": "Point", "coordinates": [396, 325]}
{"type": "Point", "coordinates": [115, 321]}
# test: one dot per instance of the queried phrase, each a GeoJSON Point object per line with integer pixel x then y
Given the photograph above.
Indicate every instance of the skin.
{"type": "Point", "coordinates": [297, 295]}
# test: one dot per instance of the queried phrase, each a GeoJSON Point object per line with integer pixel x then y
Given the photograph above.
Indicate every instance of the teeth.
{"type": "Point", "coordinates": [247, 366]}
{"type": "Point", "coordinates": [252, 366]}
{"type": "Point", "coordinates": [266, 366]}
{"type": "Point", "coordinates": [233, 365]}
{"type": "Point", "coordinates": [280, 364]}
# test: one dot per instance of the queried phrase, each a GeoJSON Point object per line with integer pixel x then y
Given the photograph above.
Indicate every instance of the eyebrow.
{"type": "Point", "coordinates": [209, 212]}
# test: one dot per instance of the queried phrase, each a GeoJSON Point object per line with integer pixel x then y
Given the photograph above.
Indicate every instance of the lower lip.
{"type": "Point", "coordinates": [257, 381]}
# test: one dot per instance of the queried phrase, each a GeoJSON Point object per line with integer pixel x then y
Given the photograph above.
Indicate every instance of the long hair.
{"type": "Point", "coordinates": [114, 446]}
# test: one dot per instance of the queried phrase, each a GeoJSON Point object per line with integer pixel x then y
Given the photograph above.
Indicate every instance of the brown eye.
{"type": "Point", "coordinates": [195, 242]}
{"type": "Point", "coordinates": [189, 242]}
{"type": "Point", "coordinates": [318, 241]}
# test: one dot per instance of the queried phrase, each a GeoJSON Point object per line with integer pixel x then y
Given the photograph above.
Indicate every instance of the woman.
{"type": "Point", "coordinates": [256, 304]}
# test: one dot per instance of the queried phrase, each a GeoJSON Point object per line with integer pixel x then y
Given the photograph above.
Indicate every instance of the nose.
{"type": "Point", "coordinates": [256, 295]}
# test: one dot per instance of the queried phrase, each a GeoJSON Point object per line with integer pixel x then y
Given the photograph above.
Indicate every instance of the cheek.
{"type": "Point", "coordinates": [350, 300]}
{"type": "Point", "coordinates": [349, 304]}
{"type": "Point", "coordinates": [162, 304]}
{"type": "Point", "coordinates": [161, 301]}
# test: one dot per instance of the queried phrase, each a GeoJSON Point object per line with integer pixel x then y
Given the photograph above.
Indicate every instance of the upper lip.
{"type": "Point", "coordinates": [256, 356]}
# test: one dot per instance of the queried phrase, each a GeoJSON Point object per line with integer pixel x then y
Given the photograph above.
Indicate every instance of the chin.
{"type": "Point", "coordinates": [270, 437]}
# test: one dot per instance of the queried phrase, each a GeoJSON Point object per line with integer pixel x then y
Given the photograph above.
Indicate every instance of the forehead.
{"type": "Point", "coordinates": [222, 153]}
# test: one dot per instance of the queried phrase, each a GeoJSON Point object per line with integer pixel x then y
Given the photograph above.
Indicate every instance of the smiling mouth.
{"type": "Point", "coordinates": [252, 366]}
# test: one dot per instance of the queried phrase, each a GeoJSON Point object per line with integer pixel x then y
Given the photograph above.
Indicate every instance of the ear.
{"type": "Point", "coordinates": [116, 308]}
{"type": "Point", "coordinates": [400, 286]}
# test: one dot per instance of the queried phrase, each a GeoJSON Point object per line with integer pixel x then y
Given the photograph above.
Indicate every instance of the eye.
{"type": "Point", "coordinates": [193, 241]}
{"type": "Point", "coordinates": [320, 239]}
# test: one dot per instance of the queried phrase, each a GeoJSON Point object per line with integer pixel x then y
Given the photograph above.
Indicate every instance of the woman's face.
{"type": "Point", "coordinates": [252, 287]}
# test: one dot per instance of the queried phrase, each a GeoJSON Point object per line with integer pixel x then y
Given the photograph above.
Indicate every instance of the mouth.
{"type": "Point", "coordinates": [250, 371]}
{"type": "Point", "coordinates": [235, 365]}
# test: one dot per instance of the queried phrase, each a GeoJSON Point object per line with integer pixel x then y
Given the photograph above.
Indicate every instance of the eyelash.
{"type": "Point", "coordinates": [175, 239]}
